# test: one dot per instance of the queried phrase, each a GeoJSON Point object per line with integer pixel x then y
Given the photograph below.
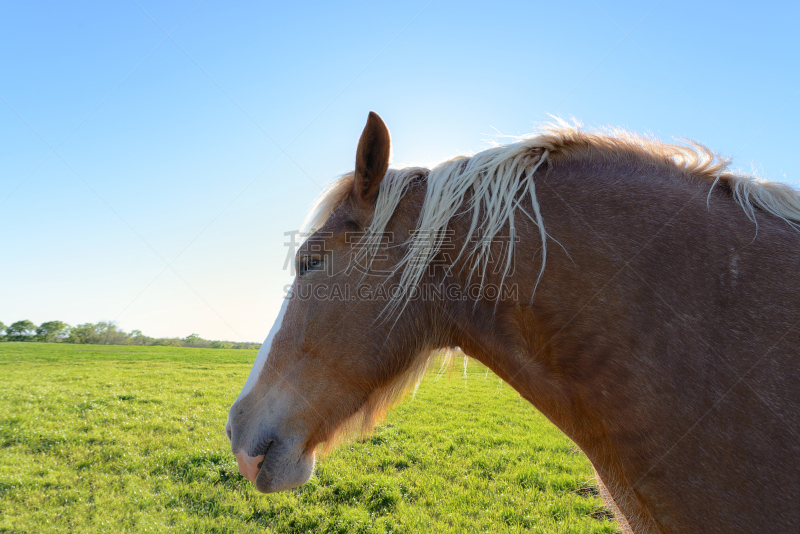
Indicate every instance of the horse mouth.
{"type": "Point", "coordinates": [251, 466]}
{"type": "Point", "coordinates": [282, 467]}
{"type": "Point", "coordinates": [263, 479]}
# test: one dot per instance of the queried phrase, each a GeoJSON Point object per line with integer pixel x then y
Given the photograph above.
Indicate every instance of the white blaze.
{"type": "Point", "coordinates": [261, 359]}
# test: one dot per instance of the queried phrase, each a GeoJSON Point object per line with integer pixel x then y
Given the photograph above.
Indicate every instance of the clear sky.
{"type": "Point", "coordinates": [152, 156]}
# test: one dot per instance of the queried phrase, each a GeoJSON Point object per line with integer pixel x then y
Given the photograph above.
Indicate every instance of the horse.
{"type": "Point", "coordinates": [638, 293]}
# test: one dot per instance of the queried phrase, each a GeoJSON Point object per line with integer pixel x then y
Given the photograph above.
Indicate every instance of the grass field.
{"type": "Point", "coordinates": [130, 439]}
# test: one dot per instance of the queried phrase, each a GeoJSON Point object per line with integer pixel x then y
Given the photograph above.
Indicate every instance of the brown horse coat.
{"type": "Point", "coordinates": [652, 314]}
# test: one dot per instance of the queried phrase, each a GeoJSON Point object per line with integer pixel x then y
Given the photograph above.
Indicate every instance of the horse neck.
{"type": "Point", "coordinates": [656, 303]}
{"type": "Point", "coordinates": [574, 347]}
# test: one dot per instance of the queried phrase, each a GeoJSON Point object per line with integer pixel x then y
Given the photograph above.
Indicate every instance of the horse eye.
{"type": "Point", "coordinates": [308, 264]}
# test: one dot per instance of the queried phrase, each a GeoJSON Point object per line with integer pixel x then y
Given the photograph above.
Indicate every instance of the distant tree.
{"type": "Point", "coordinates": [52, 331]}
{"type": "Point", "coordinates": [167, 342]}
{"type": "Point", "coordinates": [21, 331]}
{"type": "Point", "coordinates": [2, 329]}
{"type": "Point", "coordinates": [83, 334]}
{"type": "Point", "coordinates": [106, 333]}
{"type": "Point", "coordinates": [192, 339]}
{"type": "Point", "coordinates": [137, 338]}
{"type": "Point", "coordinates": [109, 335]}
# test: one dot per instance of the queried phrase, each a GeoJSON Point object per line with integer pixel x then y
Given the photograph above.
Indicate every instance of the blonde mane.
{"type": "Point", "coordinates": [497, 181]}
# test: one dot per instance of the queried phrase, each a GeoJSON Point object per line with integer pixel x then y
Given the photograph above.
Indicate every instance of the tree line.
{"type": "Point", "coordinates": [104, 333]}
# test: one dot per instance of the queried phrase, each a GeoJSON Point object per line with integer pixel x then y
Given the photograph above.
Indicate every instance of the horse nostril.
{"type": "Point", "coordinates": [228, 430]}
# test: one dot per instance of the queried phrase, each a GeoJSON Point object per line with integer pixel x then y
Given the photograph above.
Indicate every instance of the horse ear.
{"type": "Point", "coordinates": [372, 158]}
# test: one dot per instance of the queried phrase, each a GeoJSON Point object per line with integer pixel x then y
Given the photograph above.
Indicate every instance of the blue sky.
{"type": "Point", "coordinates": [152, 156]}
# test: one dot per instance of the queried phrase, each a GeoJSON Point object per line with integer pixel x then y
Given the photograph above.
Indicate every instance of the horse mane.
{"type": "Point", "coordinates": [497, 180]}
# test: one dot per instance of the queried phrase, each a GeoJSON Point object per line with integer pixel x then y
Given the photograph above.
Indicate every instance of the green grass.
{"type": "Point", "coordinates": [66, 353]}
{"type": "Point", "coordinates": [130, 439]}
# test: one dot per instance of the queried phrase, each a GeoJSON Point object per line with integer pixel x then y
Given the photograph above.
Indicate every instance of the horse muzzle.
{"type": "Point", "coordinates": [274, 465]}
